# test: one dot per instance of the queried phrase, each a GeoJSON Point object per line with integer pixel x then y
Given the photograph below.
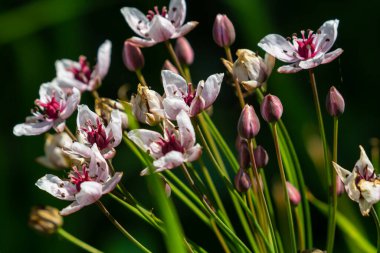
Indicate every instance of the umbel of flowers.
{"type": "Point", "coordinates": [178, 135]}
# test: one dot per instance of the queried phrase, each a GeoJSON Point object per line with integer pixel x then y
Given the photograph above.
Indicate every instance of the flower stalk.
{"type": "Point", "coordinates": [69, 237]}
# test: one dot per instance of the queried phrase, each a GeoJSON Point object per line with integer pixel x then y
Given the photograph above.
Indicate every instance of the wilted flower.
{"type": "Point", "coordinates": [158, 26]}
{"type": "Point", "coordinates": [271, 108]}
{"type": "Point", "coordinates": [306, 52]}
{"type": "Point", "coordinates": [181, 96]}
{"type": "Point", "coordinates": [223, 31]}
{"type": "Point", "coordinates": [132, 56]}
{"type": "Point", "coordinates": [242, 181]}
{"type": "Point", "coordinates": [80, 75]}
{"type": "Point", "coordinates": [51, 111]}
{"type": "Point", "coordinates": [45, 219]}
{"type": "Point", "coordinates": [177, 146]}
{"type": "Point", "coordinates": [184, 51]}
{"type": "Point", "coordinates": [92, 130]}
{"type": "Point", "coordinates": [85, 186]}
{"type": "Point", "coordinates": [104, 108]}
{"type": "Point", "coordinates": [251, 70]}
{"type": "Point", "coordinates": [334, 102]}
{"type": "Point", "coordinates": [249, 124]}
{"type": "Point", "coordinates": [362, 184]}
{"type": "Point", "coordinates": [147, 106]}
{"type": "Point", "coordinates": [54, 157]}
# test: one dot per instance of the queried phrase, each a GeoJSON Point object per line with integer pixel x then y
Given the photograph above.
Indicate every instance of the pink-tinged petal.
{"type": "Point", "coordinates": [186, 130]}
{"type": "Point", "coordinates": [211, 89]}
{"type": "Point", "coordinates": [31, 128]}
{"type": "Point", "coordinates": [174, 84]}
{"type": "Point", "coordinates": [115, 127]}
{"type": "Point", "coordinates": [192, 154]}
{"type": "Point", "coordinates": [311, 63]}
{"type": "Point", "coordinates": [136, 20]}
{"type": "Point", "coordinates": [143, 138]}
{"type": "Point", "coordinates": [161, 29]}
{"type": "Point", "coordinates": [250, 85]}
{"type": "Point", "coordinates": [57, 187]}
{"type": "Point", "coordinates": [329, 57]}
{"type": "Point", "coordinates": [59, 125]}
{"type": "Point", "coordinates": [86, 115]}
{"type": "Point", "coordinates": [177, 12]}
{"type": "Point", "coordinates": [90, 192]}
{"type": "Point", "coordinates": [49, 90]}
{"type": "Point", "coordinates": [342, 173]}
{"type": "Point", "coordinates": [289, 69]}
{"type": "Point", "coordinates": [139, 42]}
{"type": "Point", "coordinates": [79, 149]}
{"type": "Point", "coordinates": [279, 47]}
{"type": "Point", "coordinates": [363, 163]}
{"type": "Point", "coordinates": [185, 29]}
{"type": "Point", "coordinates": [169, 161]}
{"type": "Point", "coordinates": [98, 168]}
{"type": "Point", "coordinates": [68, 82]}
{"type": "Point", "coordinates": [71, 104]}
{"type": "Point", "coordinates": [72, 208]}
{"type": "Point", "coordinates": [111, 183]}
{"type": "Point", "coordinates": [108, 153]}
{"type": "Point", "coordinates": [104, 59]}
{"type": "Point", "coordinates": [174, 105]}
{"type": "Point", "coordinates": [328, 34]}
{"type": "Point", "coordinates": [197, 105]}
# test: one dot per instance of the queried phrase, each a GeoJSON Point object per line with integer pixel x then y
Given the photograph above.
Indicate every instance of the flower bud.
{"type": "Point", "coordinates": [249, 124]}
{"type": "Point", "coordinates": [334, 102]}
{"type": "Point", "coordinates": [250, 69]}
{"type": "Point", "coordinates": [104, 108]}
{"type": "Point", "coordinates": [223, 31]}
{"type": "Point", "coordinates": [261, 157]}
{"type": "Point", "coordinates": [244, 159]}
{"type": "Point", "coordinates": [294, 195]}
{"type": "Point", "coordinates": [132, 56]}
{"type": "Point", "coordinates": [169, 66]}
{"type": "Point", "coordinates": [184, 51]}
{"type": "Point", "coordinates": [54, 157]}
{"type": "Point", "coordinates": [242, 181]}
{"type": "Point", "coordinates": [147, 106]}
{"type": "Point", "coordinates": [45, 219]}
{"type": "Point", "coordinates": [271, 108]}
{"type": "Point", "coordinates": [339, 186]}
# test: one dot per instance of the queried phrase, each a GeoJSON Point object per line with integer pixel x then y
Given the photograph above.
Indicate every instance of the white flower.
{"type": "Point", "coordinates": [180, 96]}
{"type": "Point", "coordinates": [362, 184]}
{"type": "Point", "coordinates": [80, 75]}
{"type": "Point", "coordinates": [306, 52]}
{"type": "Point", "coordinates": [84, 187]}
{"type": "Point", "coordinates": [171, 150]}
{"type": "Point", "coordinates": [52, 109]}
{"type": "Point", "coordinates": [158, 26]}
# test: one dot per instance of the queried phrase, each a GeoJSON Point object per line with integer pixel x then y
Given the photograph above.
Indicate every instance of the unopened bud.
{"type": "Point", "coordinates": [45, 219]}
{"type": "Point", "coordinates": [249, 124]}
{"type": "Point", "coordinates": [271, 108]}
{"type": "Point", "coordinates": [223, 31]}
{"type": "Point", "coordinates": [167, 188]}
{"type": "Point", "coordinates": [244, 159]}
{"type": "Point", "coordinates": [184, 51]}
{"type": "Point", "coordinates": [294, 195]}
{"type": "Point", "coordinates": [132, 56]}
{"type": "Point", "coordinates": [334, 102]}
{"type": "Point", "coordinates": [339, 186]}
{"type": "Point", "coordinates": [104, 108]}
{"type": "Point", "coordinates": [261, 157]}
{"type": "Point", "coordinates": [242, 181]}
{"type": "Point", "coordinates": [169, 66]}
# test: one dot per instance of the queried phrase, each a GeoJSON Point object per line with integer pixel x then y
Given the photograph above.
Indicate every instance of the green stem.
{"type": "Point", "coordinates": [220, 237]}
{"type": "Point", "coordinates": [141, 77]}
{"type": "Point", "coordinates": [283, 179]}
{"type": "Point", "coordinates": [72, 136]}
{"type": "Point", "coordinates": [376, 220]}
{"type": "Point", "coordinates": [120, 227]}
{"type": "Point", "coordinates": [175, 59]}
{"type": "Point", "coordinates": [76, 241]}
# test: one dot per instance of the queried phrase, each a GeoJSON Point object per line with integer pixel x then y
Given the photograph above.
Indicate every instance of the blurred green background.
{"type": "Point", "coordinates": [33, 34]}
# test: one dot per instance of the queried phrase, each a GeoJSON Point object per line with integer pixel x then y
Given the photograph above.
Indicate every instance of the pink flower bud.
{"type": "Point", "coordinates": [339, 186]}
{"type": "Point", "coordinates": [223, 31]}
{"type": "Point", "coordinates": [244, 159]}
{"type": "Point", "coordinates": [132, 56]}
{"type": "Point", "coordinates": [249, 124]}
{"type": "Point", "coordinates": [334, 102]}
{"type": "Point", "coordinates": [294, 195]}
{"type": "Point", "coordinates": [169, 66]}
{"type": "Point", "coordinates": [184, 51]}
{"type": "Point", "coordinates": [242, 181]}
{"type": "Point", "coordinates": [271, 108]}
{"type": "Point", "coordinates": [261, 157]}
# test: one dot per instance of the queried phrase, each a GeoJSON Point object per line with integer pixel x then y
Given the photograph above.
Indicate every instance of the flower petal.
{"type": "Point", "coordinates": [211, 88]}
{"type": "Point", "coordinates": [71, 104]}
{"type": "Point", "coordinates": [288, 69]}
{"type": "Point", "coordinates": [115, 128]}
{"type": "Point", "coordinates": [279, 47]}
{"type": "Point", "coordinates": [79, 149]}
{"type": "Point", "coordinates": [312, 62]}
{"type": "Point", "coordinates": [111, 183]}
{"type": "Point", "coordinates": [185, 29]}
{"type": "Point", "coordinates": [186, 130]}
{"type": "Point", "coordinates": [328, 34]}
{"type": "Point", "coordinates": [177, 12]}
{"type": "Point", "coordinates": [136, 20]}
{"type": "Point", "coordinates": [57, 187]}
{"type": "Point", "coordinates": [98, 168]}
{"type": "Point", "coordinates": [193, 153]}
{"type": "Point", "coordinates": [197, 105]}
{"type": "Point", "coordinates": [342, 173]}
{"type": "Point", "coordinates": [139, 42]}
{"type": "Point", "coordinates": [104, 59]}
{"type": "Point", "coordinates": [90, 192]}
{"type": "Point", "coordinates": [72, 208]}
{"type": "Point", "coordinates": [174, 84]}
{"type": "Point", "coordinates": [329, 57]}
{"type": "Point", "coordinates": [84, 116]}
{"type": "Point", "coordinates": [143, 138]}
{"type": "Point", "coordinates": [174, 105]}
{"type": "Point", "coordinates": [169, 161]}
{"type": "Point", "coordinates": [370, 191]}
{"type": "Point", "coordinates": [365, 207]}
{"type": "Point", "coordinates": [32, 128]}
{"type": "Point", "coordinates": [161, 29]}
{"type": "Point", "coordinates": [363, 163]}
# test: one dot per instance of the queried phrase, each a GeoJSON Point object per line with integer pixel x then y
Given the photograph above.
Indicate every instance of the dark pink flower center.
{"type": "Point", "coordinates": [306, 45]}
{"type": "Point", "coordinates": [50, 109]}
{"type": "Point", "coordinates": [97, 134]}
{"type": "Point", "coordinates": [190, 95]}
{"type": "Point", "coordinates": [83, 73]}
{"type": "Point", "coordinates": [366, 175]}
{"type": "Point", "coordinates": [155, 11]}
{"type": "Point", "coordinates": [170, 144]}
{"type": "Point", "coordinates": [78, 177]}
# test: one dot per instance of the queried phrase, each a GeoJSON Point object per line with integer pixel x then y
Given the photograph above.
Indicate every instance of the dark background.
{"type": "Point", "coordinates": [33, 34]}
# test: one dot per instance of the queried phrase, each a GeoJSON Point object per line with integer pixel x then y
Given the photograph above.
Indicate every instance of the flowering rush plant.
{"type": "Point", "coordinates": [168, 127]}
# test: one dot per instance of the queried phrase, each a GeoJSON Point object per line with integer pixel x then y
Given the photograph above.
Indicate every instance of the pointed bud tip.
{"type": "Point", "coordinates": [271, 108]}
{"type": "Point", "coordinates": [249, 124]}
{"type": "Point", "coordinates": [334, 102]}
{"type": "Point", "coordinates": [223, 31]}
{"type": "Point", "coordinates": [132, 56]}
{"type": "Point", "coordinates": [294, 195]}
